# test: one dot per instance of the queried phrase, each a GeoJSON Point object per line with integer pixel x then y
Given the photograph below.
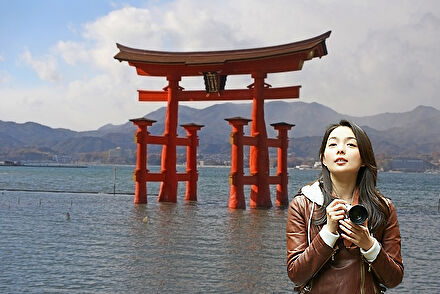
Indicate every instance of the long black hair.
{"type": "Point", "coordinates": [366, 179]}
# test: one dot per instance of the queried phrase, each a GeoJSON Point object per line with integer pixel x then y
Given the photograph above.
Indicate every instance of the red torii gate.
{"type": "Point", "coordinates": [215, 66]}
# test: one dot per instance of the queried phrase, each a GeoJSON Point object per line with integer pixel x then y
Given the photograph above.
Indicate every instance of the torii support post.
{"type": "Point", "coordinates": [191, 161]}
{"type": "Point", "coordinates": [282, 198]}
{"type": "Point", "coordinates": [140, 173]}
{"type": "Point", "coordinates": [259, 155]}
{"type": "Point", "coordinates": [168, 188]}
{"type": "Point", "coordinates": [236, 192]}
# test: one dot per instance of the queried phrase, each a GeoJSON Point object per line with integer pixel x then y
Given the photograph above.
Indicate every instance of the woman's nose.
{"type": "Point", "coordinates": [341, 149]}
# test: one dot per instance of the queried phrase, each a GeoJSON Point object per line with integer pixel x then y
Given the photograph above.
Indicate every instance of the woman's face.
{"type": "Point", "coordinates": [341, 154]}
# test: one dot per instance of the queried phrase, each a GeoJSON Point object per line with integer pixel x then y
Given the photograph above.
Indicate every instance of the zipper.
{"type": "Point", "coordinates": [332, 257]}
{"type": "Point", "coordinates": [370, 268]}
{"type": "Point", "coordinates": [362, 276]}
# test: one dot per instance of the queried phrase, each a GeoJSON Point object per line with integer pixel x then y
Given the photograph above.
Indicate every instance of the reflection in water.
{"type": "Point", "coordinates": [250, 250]}
{"type": "Point", "coordinates": [188, 246]}
{"type": "Point", "coordinates": [242, 242]}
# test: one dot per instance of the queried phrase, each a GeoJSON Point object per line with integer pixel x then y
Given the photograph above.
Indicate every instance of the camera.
{"type": "Point", "coordinates": [358, 214]}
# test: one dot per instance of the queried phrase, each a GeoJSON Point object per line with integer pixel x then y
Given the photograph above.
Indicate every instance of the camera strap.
{"type": "Point", "coordinates": [354, 201]}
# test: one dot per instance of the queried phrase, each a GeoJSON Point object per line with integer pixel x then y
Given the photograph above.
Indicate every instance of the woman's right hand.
{"type": "Point", "coordinates": [335, 211]}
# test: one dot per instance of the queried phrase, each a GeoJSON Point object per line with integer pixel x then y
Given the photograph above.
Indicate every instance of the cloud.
{"type": "Point", "coordinates": [391, 68]}
{"type": "Point", "coordinates": [5, 77]}
{"type": "Point", "coordinates": [380, 58]}
{"type": "Point", "coordinates": [72, 52]}
{"type": "Point", "coordinates": [46, 67]}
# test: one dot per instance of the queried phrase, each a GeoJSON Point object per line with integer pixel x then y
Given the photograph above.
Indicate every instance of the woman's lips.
{"type": "Point", "coordinates": [341, 160]}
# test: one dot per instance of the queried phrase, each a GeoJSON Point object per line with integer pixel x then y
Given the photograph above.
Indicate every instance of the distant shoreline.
{"type": "Point", "coordinates": [43, 165]}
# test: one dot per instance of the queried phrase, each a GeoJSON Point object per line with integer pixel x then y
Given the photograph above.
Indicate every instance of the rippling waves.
{"type": "Point", "coordinates": [107, 245]}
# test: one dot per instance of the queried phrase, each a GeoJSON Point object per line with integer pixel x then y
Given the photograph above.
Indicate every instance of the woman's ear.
{"type": "Point", "coordinates": [323, 161]}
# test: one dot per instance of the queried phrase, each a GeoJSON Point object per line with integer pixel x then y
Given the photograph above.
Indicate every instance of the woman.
{"type": "Point", "coordinates": [326, 252]}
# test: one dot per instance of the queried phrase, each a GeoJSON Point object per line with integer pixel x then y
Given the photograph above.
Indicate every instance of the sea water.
{"type": "Point", "coordinates": [76, 230]}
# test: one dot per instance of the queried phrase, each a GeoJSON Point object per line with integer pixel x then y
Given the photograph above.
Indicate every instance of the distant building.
{"type": "Point", "coordinates": [119, 155]}
{"type": "Point", "coordinates": [9, 163]}
{"type": "Point", "coordinates": [115, 153]}
{"type": "Point", "coordinates": [317, 165]}
{"type": "Point", "coordinates": [411, 165]}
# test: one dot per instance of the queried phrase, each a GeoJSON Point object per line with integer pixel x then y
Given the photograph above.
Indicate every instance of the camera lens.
{"type": "Point", "coordinates": [358, 214]}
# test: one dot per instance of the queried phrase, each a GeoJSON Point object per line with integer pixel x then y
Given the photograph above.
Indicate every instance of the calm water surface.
{"type": "Point", "coordinates": [107, 245]}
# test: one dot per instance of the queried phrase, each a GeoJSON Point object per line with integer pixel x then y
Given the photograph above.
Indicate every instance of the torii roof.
{"type": "Point", "coordinates": [280, 58]}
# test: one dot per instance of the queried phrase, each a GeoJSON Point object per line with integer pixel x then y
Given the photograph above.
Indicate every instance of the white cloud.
{"type": "Point", "coordinates": [392, 68]}
{"type": "Point", "coordinates": [5, 77]}
{"type": "Point", "coordinates": [46, 67]}
{"type": "Point", "coordinates": [72, 52]}
{"type": "Point", "coordinates": [380, 58]}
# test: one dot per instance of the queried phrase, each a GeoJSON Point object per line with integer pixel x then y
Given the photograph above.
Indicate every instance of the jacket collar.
{"type": "Point", "coordinates": [313, 193]}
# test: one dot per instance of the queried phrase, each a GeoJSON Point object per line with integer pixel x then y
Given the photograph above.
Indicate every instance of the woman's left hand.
{"type": "Point", "coordinates": [357, 234]}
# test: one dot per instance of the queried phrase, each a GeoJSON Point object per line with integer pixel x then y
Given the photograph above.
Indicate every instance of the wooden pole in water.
{"type": "Point", "coordinates": [114, 180]}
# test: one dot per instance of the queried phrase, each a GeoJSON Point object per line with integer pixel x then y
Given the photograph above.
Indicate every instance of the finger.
{"type": "Point", "coordinates": [337, 211]}
{"type": "Point", "coordinates": [347, 224]}
{"type": "Point", "coordinates": [337, 202]}
{"type": "Point", "coordinates": [340, 208]}
{"type": "Point", "coordinates": [354, 241]}
{"type": "Point", "coordinates": [355, 236]}
{"type": "Point", "coordinates": [346, 230]}
{"type": "Point", "coordinates": [365, 224]}
{"type": "Point", "coordinates": [336, 215]}
{"type": "Point", "coordinates": [336, 208]}
{"type": "Point", "coordinates": [354, 227]}
{"type": "Point", "coordinates": [349, 231]}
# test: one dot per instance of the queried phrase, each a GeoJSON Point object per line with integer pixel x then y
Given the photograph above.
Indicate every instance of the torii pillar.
{"type": "Point", "coordinates": [282, 198]}
{"type": "Point", "coordinates": [140, 173]}
{"type": "Point", "coordinates": [259, 155]}
{"type": "Point", "coordinates": [236, 191]}
{"type": "Point", "coordinates": [168, 188]}
{"type": "Point", "coordinates": [191, 160]}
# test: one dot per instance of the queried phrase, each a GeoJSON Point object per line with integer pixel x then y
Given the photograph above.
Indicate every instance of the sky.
{"type": "Point", "coordinates": [57, 66]}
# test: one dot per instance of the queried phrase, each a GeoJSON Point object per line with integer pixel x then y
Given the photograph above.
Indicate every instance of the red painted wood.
{"type": "Point", "coordinates": [168, 188]}
{"type": "Point", "coordinates": [191, 161]}
{"type": "Point", "coordinates": [140, 173]}
{"type": "Point", "coordinates": [259, 155]}
{"type": "Point", "coordinates": [236, 178]}
{"type": "Point", "coordinates": [282, 196]}
{"type": "Point", "coordinates": [246, 94]}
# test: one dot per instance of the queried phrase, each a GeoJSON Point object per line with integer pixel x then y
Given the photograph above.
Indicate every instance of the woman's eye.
{"type": "Point", "coordinates": [351, 145]}
{"type": "Point", "coordinates": [332, 144]}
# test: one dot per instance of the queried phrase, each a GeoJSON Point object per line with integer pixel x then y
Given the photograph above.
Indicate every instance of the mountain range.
{"type": "Point", "coordinates": [408, 134]}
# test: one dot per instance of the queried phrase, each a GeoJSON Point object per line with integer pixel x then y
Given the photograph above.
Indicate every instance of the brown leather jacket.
{"type": "Point", "coordinates": [318, 268]}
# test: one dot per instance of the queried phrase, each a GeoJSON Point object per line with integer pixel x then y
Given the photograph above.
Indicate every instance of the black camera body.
{"type": "Point", "coordinates": [358, 214]}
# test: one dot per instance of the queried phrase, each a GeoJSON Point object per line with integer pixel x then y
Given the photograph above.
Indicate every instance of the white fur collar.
{"type": "Point", "coordinates": [313, 193]}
